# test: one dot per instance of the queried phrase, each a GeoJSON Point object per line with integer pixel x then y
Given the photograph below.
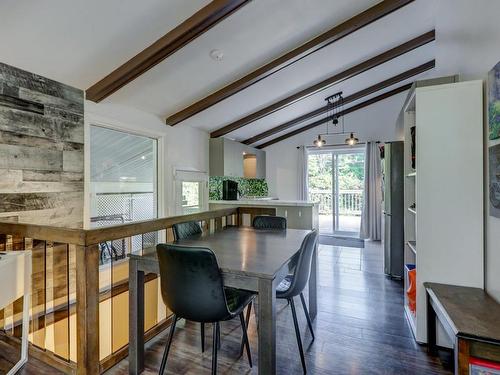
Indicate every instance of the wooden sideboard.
{"type": "Point", "coordinates": [469, 316]}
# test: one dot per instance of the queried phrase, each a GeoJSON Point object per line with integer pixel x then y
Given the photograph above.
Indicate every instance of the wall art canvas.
{"type": "Point", "coordinates": [494, 180]}
{"type": "Point", "coordinates": [494, 102]}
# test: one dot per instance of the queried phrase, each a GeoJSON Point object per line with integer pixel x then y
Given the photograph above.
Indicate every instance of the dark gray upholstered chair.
{"type": "Point", "coordinates": [193, 288]}
{"type": "Point", "coordinates": [269, 222]}
{"type": "Point", "coordinates": [273, 223]}
{"type": "Point", "coordinates": [187, 229]}
{"type": "Point", "coordinates": [294, 284]}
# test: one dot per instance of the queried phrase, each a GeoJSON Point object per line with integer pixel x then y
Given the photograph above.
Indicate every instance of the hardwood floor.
{"type": "Point", "coordinates": [10, 353]}
{"type": "Point", "coordinates": [360, 328]}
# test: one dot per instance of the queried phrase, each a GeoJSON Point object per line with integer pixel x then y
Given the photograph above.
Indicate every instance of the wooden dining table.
{"type": "Point", "coordinates": [250, 259]}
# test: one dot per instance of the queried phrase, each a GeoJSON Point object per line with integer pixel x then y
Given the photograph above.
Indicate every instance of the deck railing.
{"type": "Point", "coordinates": [78, 301]}
{"type": "Point", "coordinates": [350, 201]}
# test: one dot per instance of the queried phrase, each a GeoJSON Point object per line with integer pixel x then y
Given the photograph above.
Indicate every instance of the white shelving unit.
{"type": "Point", "coordinates": [446, 187]}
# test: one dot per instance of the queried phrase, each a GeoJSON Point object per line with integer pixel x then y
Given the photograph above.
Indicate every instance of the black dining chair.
{"type": "Point", "coordinates": [269, 222]}
{"type": "Point", "coordinates": [293, 285]}
{"type": "Point", "coordinates": [274, 223]}
{"type": "Point", "coordinates": [185, 230]}
{"type": "Point", "coordinates": [192, 288]}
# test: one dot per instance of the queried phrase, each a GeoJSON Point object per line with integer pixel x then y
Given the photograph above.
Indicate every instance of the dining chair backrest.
{"type": "Point", "coordinates": [184, 230]}
{"type": "Point", "coordinates": [191, 283]}
{"type": "Point", "coordinates": [303, 267]}
{"type": "Point", "coordinates": [269, 222]}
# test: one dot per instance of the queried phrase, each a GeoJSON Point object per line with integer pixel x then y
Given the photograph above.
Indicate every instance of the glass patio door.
{"type": "Point", "coordinates": [336, 182]}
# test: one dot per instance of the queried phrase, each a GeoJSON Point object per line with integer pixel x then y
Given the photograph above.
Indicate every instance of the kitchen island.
{"type": "Point", "coordinates": [299, 214]}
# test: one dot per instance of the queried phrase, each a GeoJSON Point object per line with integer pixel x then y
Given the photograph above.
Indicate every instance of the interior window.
{"type": "Point", "coordinates": [123, 184]}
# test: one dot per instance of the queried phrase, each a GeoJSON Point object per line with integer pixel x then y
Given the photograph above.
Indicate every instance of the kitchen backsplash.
{"type": "Point", "coordinates": [247, 186]}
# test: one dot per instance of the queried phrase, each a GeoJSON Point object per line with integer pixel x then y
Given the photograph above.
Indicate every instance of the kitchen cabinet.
{"type": "Point", "coordinates": [227, 158]}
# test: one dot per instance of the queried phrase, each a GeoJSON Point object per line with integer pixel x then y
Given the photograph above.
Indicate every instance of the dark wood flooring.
{"type": "Point", "coordinates": [10, 353]}
{"type": "Point", "coordinates": [360, 328]}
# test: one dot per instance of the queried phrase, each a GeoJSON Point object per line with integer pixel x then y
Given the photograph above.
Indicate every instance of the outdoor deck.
{"type": "Point", "coordinates": [347, 223]}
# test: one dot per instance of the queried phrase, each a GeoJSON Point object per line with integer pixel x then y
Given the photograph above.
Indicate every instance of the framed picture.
{"type": "Point", "coordinates": [482, 367]}
{"type": "Point", "coordinates": [494, 102]}
{"type": "Point", "coordinates": [494, 180]}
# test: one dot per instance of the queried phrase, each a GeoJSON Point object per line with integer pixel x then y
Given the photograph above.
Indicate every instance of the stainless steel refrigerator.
{"type": "Point", "coordinates": [393, 208]}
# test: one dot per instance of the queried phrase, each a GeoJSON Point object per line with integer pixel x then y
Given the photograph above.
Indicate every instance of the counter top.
{"type": "Point", "coordinates": [265, 202]}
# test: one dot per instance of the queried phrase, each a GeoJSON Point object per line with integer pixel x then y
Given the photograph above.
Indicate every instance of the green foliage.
{"type": "Point", "coordinates": [350, 169]}
{"type": "Point", "coordinates": [494, 119]}
{"type": "Point", "coordinates": [254, 187]}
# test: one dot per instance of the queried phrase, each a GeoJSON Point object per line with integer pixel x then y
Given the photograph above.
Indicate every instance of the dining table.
{"type": "Point", "coordinates": [251, 259]}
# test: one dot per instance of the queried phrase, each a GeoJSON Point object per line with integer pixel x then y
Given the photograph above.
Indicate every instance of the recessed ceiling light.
{"type": "Point", "coordinates": [217, 55]}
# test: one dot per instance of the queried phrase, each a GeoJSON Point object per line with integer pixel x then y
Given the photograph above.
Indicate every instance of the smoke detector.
{"type": "Point", "coordinates": [217, 55]}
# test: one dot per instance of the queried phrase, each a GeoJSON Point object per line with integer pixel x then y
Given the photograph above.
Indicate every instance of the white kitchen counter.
{"type": "Point", "coordinates": [299, 214]}
{"type": "Point", "coordinates": [265, 202]}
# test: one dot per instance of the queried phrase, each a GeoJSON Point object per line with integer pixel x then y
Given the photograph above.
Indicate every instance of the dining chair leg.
{"type": "Point", "coordinates": [297, 333]}
{"type": "Point", "coordinates": [242, 346]}
{"type": "Point", "coordinates": [202, 329]}
{"type": "Point", "coordinates": [308, 318]}
{"type": "Point", "coordinates": [245, 338]}
{"type": "Point", "coordinates": [215, 334]}
{"type": "Point", "coordinates": [167, 347]}
{"type": "Point", "coordinates": [218, 336]}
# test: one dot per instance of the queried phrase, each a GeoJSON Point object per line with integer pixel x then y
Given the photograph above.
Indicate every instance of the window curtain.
{"type": "Point", "coordinates": [302, 177]}
{"type": "Point", "coordinates": [371, 216]}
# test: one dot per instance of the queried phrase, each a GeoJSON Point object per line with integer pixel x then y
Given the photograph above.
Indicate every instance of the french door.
{"type": "Point", "coordinates": [336, 183]}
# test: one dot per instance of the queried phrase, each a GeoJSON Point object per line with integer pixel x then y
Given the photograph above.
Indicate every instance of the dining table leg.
{"type": "Point", "coordinates": [267, 326]}
{"type": "Point", "coordinates": [313, 286]}
{"type": "Point", "coordinates": [136, 322]}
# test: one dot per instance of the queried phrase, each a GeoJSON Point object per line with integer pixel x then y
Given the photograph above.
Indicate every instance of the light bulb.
{"type": "Point", "coordinates": [319, 142]}
{"type": "Point", "coordinates": [352, 140]}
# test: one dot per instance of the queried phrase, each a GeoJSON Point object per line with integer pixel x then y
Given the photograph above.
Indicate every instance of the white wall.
{"type": "Point", "coordinates": [374, 123]}
{"type": "Point", "coordinates": [181, 147]}
{"type": "Point", "coordinates": [468, 41]}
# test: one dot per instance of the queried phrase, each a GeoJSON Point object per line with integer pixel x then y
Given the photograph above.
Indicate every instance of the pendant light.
{"type": "Point", "coordinates": [320, 142]}
{"type": "Point", "coordinates": [334, 114]}
{"type": "Point", "coordinates": [352, 140]}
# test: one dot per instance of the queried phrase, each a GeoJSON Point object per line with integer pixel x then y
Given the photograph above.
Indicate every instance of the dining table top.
{"type": "Point", "coordinates": [241, 250]}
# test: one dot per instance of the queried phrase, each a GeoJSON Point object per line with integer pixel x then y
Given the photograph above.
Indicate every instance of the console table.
{"type": "Point", "coordinates": [470, 316]}
{"type": "Point", "coordinates": [15, 282]}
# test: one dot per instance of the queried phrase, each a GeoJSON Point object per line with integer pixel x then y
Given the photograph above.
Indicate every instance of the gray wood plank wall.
{"type": "Point", "coordinates": [41, 149]}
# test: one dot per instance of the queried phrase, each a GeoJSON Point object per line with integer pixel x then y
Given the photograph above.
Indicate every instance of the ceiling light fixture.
{"type": "Point", "coordinates": [352, 140]}
{"type": "Point", "coordinates": [320, 142]}
{"type": "Point", "coordinates": [334, 111]}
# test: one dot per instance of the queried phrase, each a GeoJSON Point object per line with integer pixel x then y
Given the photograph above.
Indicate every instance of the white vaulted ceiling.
{"type": "Point", "coordinates": [79, 42]}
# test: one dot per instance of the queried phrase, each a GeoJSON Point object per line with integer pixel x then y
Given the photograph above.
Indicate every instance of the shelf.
{"type": "Point", "coordinates": [411, 319]}
{"type": "Point", "coordinates": [413, 246]}
{"type": "Point", "coordinates": [412, 210]}
{"type": "Point", "coordinates": [412, 174]}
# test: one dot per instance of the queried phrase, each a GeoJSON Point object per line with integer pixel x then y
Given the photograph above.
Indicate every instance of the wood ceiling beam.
{"type": "Point", "coordinates": [342, 113]}
{"type": "Point", "coordinates": [347, 100]}
{"type": "Point", "coordinates": [335, 79]}
{"type": "Point", "coordinates": [174, 40]}
{"type": "Point", "coordinates": [338, 32]}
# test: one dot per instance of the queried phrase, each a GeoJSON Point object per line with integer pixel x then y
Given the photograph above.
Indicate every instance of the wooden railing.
{"type": "Point", "coordinates": [72, 319]}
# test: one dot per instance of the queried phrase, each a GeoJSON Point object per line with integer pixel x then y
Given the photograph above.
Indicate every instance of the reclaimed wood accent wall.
{"type": "Point", "coordinates": [41, 150]}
